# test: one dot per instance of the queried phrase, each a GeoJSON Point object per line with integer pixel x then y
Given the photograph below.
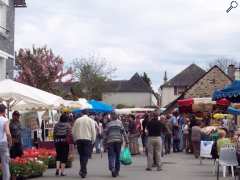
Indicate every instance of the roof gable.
{"type": "Point", "coordinates": [186, 78]}
{"type": "Point", "coordinates": [135, 84]}
{"type": "Point", "coordinates": [187, 93]}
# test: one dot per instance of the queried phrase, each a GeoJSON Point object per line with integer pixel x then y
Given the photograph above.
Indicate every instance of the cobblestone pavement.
{"type": "Point", "coordinates": [175, 167]}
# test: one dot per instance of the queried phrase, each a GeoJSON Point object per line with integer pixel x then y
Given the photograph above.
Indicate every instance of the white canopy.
{"type": "Point", "coordinates": [80, 104]}
{"type": "Point", "coordinates": [24, 97]}
{"type": "Point", "coordinates": [133, 110]}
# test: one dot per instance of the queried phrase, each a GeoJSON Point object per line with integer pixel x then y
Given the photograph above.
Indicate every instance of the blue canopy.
{"type": "Point", "coordinates": [97, 107]}
{"type": "Point", "coordinates": [233, 111]}
{"type": "Point", "coordinates": [100, 107]}
{"type": "Point", "coordinates": [230, 92]}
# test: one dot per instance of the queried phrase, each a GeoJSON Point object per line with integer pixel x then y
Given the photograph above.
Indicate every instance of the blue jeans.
{"type": "Point", "coordinates": [114, 150]}
{"type": "Point", "coordinates": [98, 144]}
{"type": "Point", "coordinates": [5, 158]}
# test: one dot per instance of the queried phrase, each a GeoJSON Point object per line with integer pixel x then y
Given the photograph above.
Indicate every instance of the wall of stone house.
{"type": "Point", "coordinates": [129, 99]}
{"type": "Point", "coordinates": [167, 95]}
{"type": "Point", "coordinates": [215, 79]}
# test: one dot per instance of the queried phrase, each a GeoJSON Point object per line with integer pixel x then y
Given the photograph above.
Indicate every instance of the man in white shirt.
{"type": "Point", "coordinates": [5, 142]}
{"type": "Point", "coordinates": [84, 134]}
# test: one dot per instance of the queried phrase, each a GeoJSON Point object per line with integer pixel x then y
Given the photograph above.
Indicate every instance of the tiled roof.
{"type": "Point", "coordinates": [135, 84]}
{"type": "Point", "coordinates": [186, 78]}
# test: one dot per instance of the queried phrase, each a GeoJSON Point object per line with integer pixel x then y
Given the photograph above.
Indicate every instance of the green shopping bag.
{"type": "Point", "coordinates": [125, 157]}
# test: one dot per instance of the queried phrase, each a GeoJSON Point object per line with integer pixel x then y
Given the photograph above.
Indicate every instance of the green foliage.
{"type": "Point", "coordinates": [147, 79]}
{"type": "Point", "coordinates": [92, 74]}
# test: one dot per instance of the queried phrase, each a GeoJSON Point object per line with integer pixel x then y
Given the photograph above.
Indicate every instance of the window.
{"type": "Point", "coordinates": [3, 17]}
{"type": "Point", "coordinates": [175, 91]}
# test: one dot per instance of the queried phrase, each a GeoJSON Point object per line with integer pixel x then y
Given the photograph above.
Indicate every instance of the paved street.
{"type": "Point", "coordinates": [176, 166]}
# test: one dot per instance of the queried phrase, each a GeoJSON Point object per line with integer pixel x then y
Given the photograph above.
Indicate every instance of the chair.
{"type": "Point", "coordinates": [228, 158]}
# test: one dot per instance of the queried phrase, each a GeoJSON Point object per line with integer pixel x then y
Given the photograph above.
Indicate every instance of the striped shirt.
{"type": "Point", "coordinates": [115, 132]}
{"type": "Point", "coordinates": [61, 130]}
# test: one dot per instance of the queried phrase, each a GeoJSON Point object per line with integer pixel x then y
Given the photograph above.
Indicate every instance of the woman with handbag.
{"type": "Point", "coordinates": [62, 138]}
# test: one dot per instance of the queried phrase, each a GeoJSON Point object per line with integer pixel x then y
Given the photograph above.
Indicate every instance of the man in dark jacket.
{"type": "Point", "coordinates": [155, 129]}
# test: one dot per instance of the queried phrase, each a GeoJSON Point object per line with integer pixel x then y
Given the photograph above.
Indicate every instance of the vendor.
{"type": "Point", "coordinates": [15, 129]}
{"type": "Point", "coordinates": [223, 140]}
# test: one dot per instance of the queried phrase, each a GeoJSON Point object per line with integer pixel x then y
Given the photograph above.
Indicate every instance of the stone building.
{"type": "Point", "coordinates": [212, 80]}
{"type": "Point", "coordinates": [7, 28]}
{"type": "Point", "coordinates": [173, 88]}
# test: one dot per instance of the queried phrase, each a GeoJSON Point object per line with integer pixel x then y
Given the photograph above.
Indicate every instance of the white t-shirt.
{"type": "Point", "coordinates": [3, 136]}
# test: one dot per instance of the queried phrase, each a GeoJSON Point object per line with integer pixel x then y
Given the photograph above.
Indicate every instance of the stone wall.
{"type": "Point", "coordinates": [213, 80]}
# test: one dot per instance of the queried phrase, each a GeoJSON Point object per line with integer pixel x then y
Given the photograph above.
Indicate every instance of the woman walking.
{"type": "Point", "coordinates": [134, 134]}
{"type": "Point", "coordinates": [62, 138]}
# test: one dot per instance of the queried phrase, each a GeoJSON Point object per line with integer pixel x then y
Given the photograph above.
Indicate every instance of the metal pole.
{"type": "Point", "coordinates": [217, 169]}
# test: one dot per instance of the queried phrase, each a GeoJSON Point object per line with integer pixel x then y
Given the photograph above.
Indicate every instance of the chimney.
{"type": "Point", "coordinates": [231, 71]}
{"type": "Point", "coordinates": [165, 77]}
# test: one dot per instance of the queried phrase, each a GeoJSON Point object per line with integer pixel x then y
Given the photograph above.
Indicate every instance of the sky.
{"type": "Point", "coordinates": [149, 36]}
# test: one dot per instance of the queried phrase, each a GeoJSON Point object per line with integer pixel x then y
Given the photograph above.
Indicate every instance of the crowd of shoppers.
{"type": "Point", "coordinates": [160, 135]}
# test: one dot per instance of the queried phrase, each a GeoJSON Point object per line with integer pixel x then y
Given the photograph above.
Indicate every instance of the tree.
{"type": "Point", "coordinates": [92, 73]}
{"type": "Point", "coordinates": [146, 79]}
{"type": "Point", "coordinates": [40, 68]}
{"type": "Point", "coordinates": [223, 63]}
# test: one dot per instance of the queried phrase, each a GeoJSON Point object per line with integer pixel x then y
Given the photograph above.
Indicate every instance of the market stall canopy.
{"type": "Point", "coordinates": [230, 92]}
{"type": "Point", "coordinates": [185, 102]}
{"type": "Point", "coordinates": [23, 97]}
{"type": "Point", "coordinates": [191, 101]}
{"type": "Point", "coordinates": [222, 116]}
{"type": "Point", "coordinates": [233, 111]}
{"type": "Point", "coordinates": [100, 107]}
{"type": "Point", "coordinates": [133, 110]}
{"type": "Point", "coordinates": [79, 104]}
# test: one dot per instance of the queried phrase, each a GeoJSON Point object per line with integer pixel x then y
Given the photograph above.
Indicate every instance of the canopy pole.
{"type": "Point", "coordinates": [8, 109]}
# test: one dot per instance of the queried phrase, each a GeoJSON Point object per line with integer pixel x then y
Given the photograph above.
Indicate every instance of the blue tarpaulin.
{"type": "Point", "coordinates": [233, 111]}
{"type": "Point", "coordinates": [230, 92]}
{"type": "Point", "coordinates": [97, 107]}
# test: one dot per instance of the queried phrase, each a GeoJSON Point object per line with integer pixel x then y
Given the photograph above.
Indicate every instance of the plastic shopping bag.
{"type": "Point", "coordinates": [125, 157]}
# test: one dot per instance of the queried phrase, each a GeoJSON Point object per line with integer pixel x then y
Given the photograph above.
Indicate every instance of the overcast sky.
{"type": "Point", "coordinates": [133, 35]}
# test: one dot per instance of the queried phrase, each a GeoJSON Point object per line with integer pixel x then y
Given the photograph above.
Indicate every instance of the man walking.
{"type": "Point", "coordinates": [113, 137]}
{"type": "Point", "coordinates": [84, 133]}
{"type": "Point", "coordinates": [5, 142]}
{"type": "Point", "coordinates": [155, 129]}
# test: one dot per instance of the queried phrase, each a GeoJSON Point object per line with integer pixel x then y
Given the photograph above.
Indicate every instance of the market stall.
{"type": "Point", "coordinates": [133, 110]}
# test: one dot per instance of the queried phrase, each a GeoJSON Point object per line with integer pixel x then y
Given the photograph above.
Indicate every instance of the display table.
{"type": "Point", "coordinates": [46, 144]}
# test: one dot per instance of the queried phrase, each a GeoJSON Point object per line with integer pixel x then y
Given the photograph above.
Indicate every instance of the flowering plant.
{"type": "Point", "coordinates": [26, 167]}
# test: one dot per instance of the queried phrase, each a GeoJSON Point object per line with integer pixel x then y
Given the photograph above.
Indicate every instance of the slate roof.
{"type": "Point", "coordinates": [186, 78]}
{"type": "Point", "coordinates": [135, 84]}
